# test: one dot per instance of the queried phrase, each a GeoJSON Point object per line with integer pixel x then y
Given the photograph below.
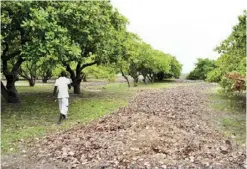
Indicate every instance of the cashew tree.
{"type": "Point", "coordinates": [14, 37]}
{"type": "Point", "coordinates": [93, 25]}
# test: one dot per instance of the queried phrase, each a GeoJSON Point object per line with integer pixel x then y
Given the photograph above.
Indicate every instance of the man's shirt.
{"type": "Point", "coordinates": [62, 85]}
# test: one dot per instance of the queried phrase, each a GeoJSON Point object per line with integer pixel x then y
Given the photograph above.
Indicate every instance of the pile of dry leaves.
{"type": "Point", "coordinates": [161, 128]}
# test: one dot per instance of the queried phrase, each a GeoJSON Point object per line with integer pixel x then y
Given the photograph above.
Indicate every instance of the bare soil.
{"type": "Point", "coordinates": [160, 128]}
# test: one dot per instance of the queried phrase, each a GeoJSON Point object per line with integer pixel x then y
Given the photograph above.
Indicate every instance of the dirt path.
{"type": "Point", "coordinates": [161, 128]}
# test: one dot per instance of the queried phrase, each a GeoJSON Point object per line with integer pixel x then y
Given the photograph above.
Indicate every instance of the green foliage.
{"type": "Point", "coordinates": [176, 68]}
{"type": "Point", "coordinates": [232, 58]}
{"type": "Point", "coordinates": [214, 76]}
{"type": "Point", "coordinates": [57, 70]}
{"type": "Point", "coordinates": [203, 66]}
{"type": "Point", "coordinates": [29, 71]}
{"type": "Point", "coordinates": [101, 72]}
{"type": "Point", "coordinates": [35, 68]}
{"type": "Point", "coordinates": [66, 33]}
{"type": "Point", "coordinates": [141, 59]}
{"type": "Point", "coordinates": [227, 85]}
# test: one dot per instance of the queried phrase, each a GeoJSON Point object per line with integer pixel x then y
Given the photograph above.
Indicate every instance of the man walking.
{"type": "Point", "coordinates": [62, 84]}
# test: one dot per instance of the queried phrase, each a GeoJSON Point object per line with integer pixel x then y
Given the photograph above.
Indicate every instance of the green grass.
{"type": "Point", "coordinates": [233, 120]}
{"type": "Point", "coordinates": [38, 113]}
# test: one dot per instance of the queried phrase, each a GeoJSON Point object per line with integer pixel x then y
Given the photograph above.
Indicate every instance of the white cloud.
{"type": "Point", "coordinates": [187, 29]}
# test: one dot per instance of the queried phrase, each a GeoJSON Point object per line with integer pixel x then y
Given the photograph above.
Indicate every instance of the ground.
{"type": "Point", "coordinates": [175, 125]}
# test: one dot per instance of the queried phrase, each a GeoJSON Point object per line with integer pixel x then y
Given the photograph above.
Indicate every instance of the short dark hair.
{"type": "Point", "coordinates": [63, 74]}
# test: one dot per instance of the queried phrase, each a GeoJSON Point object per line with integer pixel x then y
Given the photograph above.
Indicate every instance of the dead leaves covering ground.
{"type": "Point", "coordinates": [161, 128]}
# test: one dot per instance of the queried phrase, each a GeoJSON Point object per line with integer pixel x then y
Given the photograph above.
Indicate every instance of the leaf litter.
{"type": "Point", "coordinates": [160, 128]}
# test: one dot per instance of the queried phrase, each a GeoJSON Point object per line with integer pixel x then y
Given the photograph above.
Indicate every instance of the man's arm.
{"type": "Point", "coordinates": [69, 83]}
{"type": "Point", "coordinates": [55, 88]}
{"type": "Point", "coordinates": [55, 91]}
{"type": "Point", "coordinates": [69, 86]}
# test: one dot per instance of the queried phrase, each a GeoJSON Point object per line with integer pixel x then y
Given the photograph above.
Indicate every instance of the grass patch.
{"type": "Point", "coordinates": [233, 120]}
{"type": "Point", "coordinates": [38, 113]}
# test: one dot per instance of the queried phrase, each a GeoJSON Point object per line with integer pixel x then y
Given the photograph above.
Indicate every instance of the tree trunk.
{"type": "Point", "coordinates": [126, 78]}
{"type": "Point", "coordinates": [77, 82]}
{"type": "Point", "coordinates": [77, 87]}
{"type": "Point", "coordinates": [149, 78]}
{"type": "Point", "coordinates": [44, 80]}
{"type": "Point", "coordinates": [145, 79]}
{"type": "Point", "coordinates": [31, 82]}
{"type": "Point", "coordinates": [46, 75]}
{"type": "Point", "coordinates": [135, 81]}
{"type": "Point", "coordinates": [153, 78]}
{"type": "Point", "coordinates": [76, 75]}
{"type": "Point", "coordinates": [10, 92]}
{"type": "Point", "coordinates": [4, 91]}
{"type": "Point", "coordinates": [84, 77]}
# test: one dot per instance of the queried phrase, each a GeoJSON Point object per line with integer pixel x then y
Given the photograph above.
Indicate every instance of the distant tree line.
{"type": "Point", "coordinates": [229, 70]}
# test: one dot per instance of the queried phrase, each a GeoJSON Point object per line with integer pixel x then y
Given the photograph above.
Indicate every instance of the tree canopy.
{"type": "Point", "coordinates": [229, 70]}
{"type": "Point", "coordinates": [203, 66]}
{"type": "Point", "coordinates": [37, 36]}
{"type": "Point", "coordinates": [231, 65]}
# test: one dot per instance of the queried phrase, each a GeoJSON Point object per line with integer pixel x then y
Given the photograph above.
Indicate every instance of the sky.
{"type": "Point", "coordinates": [188, 29]}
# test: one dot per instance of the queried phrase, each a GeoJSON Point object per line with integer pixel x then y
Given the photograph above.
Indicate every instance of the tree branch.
{"type": "Point", "coordinates": [78, 66]}
{"type": "Point", "coordinates": [24, 74]}
{"type": "Point", "coordinates": [5, 67]}
{"type": "Point", "coordinates": [17, 65]}
{"type": "Point", "coordinates": [87, 64]}
{"type": "Point", "coordinates": [4, 91]}
{"type": "Point", "coordinates": [10, 56]}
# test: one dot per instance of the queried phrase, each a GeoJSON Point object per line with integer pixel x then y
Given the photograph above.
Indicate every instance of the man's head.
{"type": "Point", "coordinates": [63, 74]}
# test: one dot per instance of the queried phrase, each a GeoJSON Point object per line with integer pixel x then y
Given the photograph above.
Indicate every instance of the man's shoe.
{"type": "Point", "coordinates": [64, 117]}
{"type": "Point", "coordinates": [60, 119]}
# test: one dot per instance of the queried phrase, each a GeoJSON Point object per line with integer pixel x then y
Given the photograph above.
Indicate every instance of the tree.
{"type": "Point", "coordinates": [28, 71]}
{"type": "Point", "coordinates": [161, 65]}
{"type": "Point", "coordinates": [72, 37]}
{"type": "Point", "coordinates": [93, 25]}
{"type": "Point", "coordinates": [176, 68]}
{"type": "Point", "coordinates": [13, 39]}
{"type": "Point", "coordinates": [45, 69]}
{"type": "Point", "coordinates": [45, 74]}
{"type": "Point", "coordinates": [203, 66]}
{"type": "Point", "coordinates": [139, 58]}
{"type": "Point", "coordinates": [124, 53]}
{"type": "Point", "coordinates": [52, 41]}
{"type": "Point", "coordinates": [232, 59]}
{"type": "Point", "coordinates": [145, 61]}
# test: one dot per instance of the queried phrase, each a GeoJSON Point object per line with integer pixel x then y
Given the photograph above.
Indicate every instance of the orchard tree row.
{"type": "Point", "coordinates": [229, 70]}
{"type": "Point", "coordinates": [37, 37]}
